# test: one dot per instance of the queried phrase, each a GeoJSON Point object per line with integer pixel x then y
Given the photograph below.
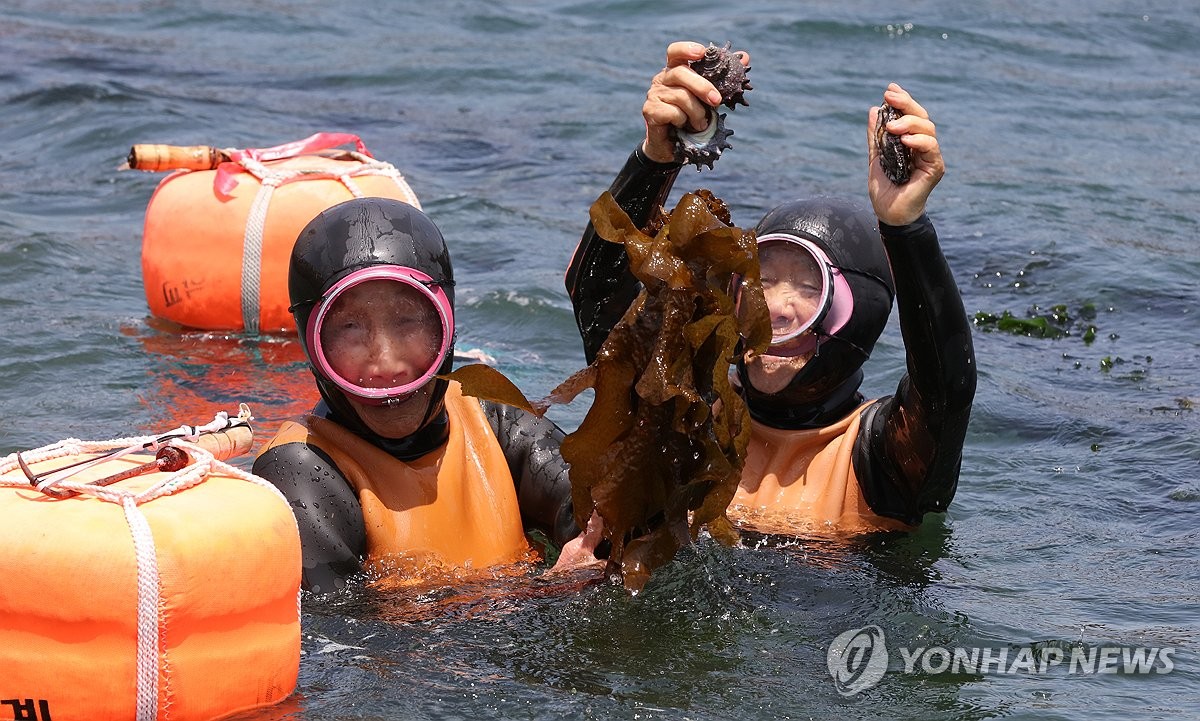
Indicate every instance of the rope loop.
{"type": "Point", "coordinates": [58, 483]}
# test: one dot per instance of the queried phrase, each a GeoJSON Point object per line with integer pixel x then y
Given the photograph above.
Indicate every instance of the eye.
{"type": "Point", "coordinates": [344, 327]}
{"type": "Point", "coordinates": [343, 322]}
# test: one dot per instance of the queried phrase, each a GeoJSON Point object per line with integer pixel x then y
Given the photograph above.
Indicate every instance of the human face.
{"type": "Point", "coordinates": [380, 333]}
{"type": "Point", "coordinates": [794, 287]}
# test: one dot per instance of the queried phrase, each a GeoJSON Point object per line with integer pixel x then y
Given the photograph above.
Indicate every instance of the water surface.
{"type": "Point", "coordinates": [1069, 133]}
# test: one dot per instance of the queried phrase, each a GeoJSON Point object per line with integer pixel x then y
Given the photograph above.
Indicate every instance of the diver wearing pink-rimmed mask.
{"type": "Point", "coordinates": [396, 472]}
{"type": "Point", "coordinates": [820, 455]}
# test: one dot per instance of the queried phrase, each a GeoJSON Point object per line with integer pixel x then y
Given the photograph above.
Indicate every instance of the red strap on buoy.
{"type": "Point", "coordinates": [225, 181]}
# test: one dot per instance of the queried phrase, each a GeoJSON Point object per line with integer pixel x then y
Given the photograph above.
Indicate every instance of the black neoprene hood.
{"type": "Point", "coordinates": [357, 234]}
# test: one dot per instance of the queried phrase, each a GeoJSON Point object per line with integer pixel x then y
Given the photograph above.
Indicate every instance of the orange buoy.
{"type": "Point", "coordinates": [219, 230]}
{"type": "Point", "coordinates": [133, 592]}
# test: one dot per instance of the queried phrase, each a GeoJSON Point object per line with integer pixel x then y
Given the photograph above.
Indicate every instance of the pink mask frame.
{"type": "Point", "coordinates": [425, 285]}
{"type": "Point", "coordinates": [835, 307]}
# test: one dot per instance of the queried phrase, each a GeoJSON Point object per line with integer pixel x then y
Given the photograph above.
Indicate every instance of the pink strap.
{"type": "Point", "coordinates": [225, 180]}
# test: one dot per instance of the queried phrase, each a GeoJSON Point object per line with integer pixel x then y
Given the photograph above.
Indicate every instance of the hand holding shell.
{"type": "Point", "coordinates": [905, 159]}
{"type": "Point", "coordinates": [724, 69]}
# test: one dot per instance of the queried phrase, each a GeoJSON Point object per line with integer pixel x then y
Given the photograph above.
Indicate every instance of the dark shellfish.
{"type": "Point", "coordinates": [894, 156]}
{"type": "Point", "coordinates": [704, 147]}
{"type": "Point", "coordinates": [725, 71]}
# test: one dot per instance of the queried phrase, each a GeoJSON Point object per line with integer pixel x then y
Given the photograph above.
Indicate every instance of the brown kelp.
{"type": "Point", "coordinates": [660, 451]}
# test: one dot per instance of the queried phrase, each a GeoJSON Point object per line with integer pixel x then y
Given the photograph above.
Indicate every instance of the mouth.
{"type": "Point", "coordinates": [779, 358]}
{"type": "Point", "coordinates": [389, 406]}
{"type": "Point", "coordinates": [801, 345]}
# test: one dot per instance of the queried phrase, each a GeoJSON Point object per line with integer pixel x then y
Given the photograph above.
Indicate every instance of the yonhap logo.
{"type": "Point", "coordinates": [857, 659]}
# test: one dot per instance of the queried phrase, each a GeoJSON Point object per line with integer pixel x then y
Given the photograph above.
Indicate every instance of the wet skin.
{"type": "Point", "coordinates": [384, 334]}
{"type": "Point", "coordinates": [792, 286]}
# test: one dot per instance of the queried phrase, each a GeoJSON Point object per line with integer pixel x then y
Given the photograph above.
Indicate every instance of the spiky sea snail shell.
{"type": "Point", "coordinates": [894, 156]}
{"type": "Point", "coordinates": [704, 147]}
{"type": "Point", "coordinates": [725, 71]}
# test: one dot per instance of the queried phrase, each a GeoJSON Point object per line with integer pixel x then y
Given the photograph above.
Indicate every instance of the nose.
{"type": "Point", "coordinates": [783, 314]}
{"type": "Point", "coordinates": [783, 317]}
{"type": "Point", "coordinates": [390, 362]}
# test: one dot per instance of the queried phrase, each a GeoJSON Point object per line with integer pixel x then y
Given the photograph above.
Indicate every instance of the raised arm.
{"type": "Point", "coordinates": [909, 449]}
{"type": "Point", "coordinates": [598, 278]}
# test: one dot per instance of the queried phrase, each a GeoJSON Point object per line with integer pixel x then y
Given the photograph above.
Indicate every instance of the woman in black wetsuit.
{"type": "Point", "coordinates": [821, 456]}
{"type": "Point", "coordinates": [396, 471]}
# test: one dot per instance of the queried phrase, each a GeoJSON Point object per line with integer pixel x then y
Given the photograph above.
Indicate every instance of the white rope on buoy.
{"type": "Point", "coordinates": [409, 196]}
{"type": "Point", "coordinates": [257, 220]}
{"type": "Point", "coordinates": [110, 450]}
{"type": "Point", "coordinates": [348, 181]}
{"type": "Point", "coordinates": [252, 243]}
{"type": "Point", "coordinates": [371, 166]}
{"type": "Point", "coordinates": [149, 628]}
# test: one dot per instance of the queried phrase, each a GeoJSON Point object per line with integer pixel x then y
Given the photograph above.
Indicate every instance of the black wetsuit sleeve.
{"type": "Point", "coordinates": [531, 446]}
{"type": "Point", "coordinates": [909, 449]}
{"type": "Point", "coordinates": [333, 537]}
{"type": "Point", "coordinates": [598, 278]}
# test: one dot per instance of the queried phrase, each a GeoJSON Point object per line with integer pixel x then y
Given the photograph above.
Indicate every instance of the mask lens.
{"type": "Point", "coordinates": [379, 338]}
{"type": "Point", "coordinates": [797, 286]}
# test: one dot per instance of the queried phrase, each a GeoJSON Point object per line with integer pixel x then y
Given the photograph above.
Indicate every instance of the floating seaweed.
{"type": "Point", "coordinates": [725, 71]}
{"type": "Point", "coordinates": [894, 156]}
{"type": "Point", "coordinates": [1058, 322]}
{"type": "Point", "coordinates": [660, 451]}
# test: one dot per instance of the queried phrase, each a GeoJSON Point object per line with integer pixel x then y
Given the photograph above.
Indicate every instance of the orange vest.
{"type": "Point", "coordinates": [803, 481]}
{"type": "Point", "coordinates": [452, 509]}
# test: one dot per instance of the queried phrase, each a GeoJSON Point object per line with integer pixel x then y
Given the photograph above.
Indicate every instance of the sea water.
{"type": "Point", "coordinates": [1071, 196]}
